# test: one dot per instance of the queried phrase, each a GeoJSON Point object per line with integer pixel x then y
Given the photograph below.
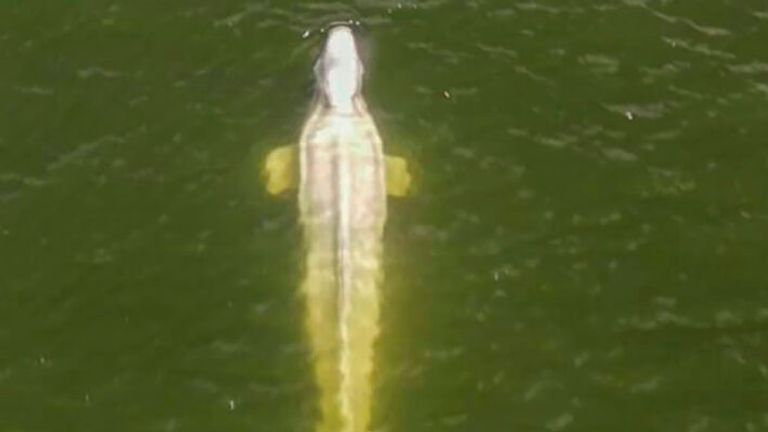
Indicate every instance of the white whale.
{"type": "Point", "coordinates": [343, 180]}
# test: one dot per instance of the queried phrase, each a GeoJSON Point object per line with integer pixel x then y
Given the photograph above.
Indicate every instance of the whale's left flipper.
{"type": "Point", "coordinates": [281, 169]}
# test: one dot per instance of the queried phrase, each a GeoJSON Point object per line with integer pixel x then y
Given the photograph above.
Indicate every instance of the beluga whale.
{"type": "Point", "coordinates": [343, 179]}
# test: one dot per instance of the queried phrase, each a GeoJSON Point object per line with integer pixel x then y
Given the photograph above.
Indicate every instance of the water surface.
{"type": "Point", "coordinates": [586, 251]}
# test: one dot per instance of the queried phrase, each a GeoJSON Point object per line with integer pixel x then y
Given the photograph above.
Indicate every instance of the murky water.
{"type": "Point", "coordinates": [586, 251]}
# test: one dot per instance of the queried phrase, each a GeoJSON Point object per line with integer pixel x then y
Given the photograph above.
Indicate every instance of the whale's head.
{"type": "Point", "coordinates": [339, 69]}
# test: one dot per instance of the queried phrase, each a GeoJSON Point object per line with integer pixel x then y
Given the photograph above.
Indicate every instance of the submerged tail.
{"type": "Point", "coordinates": [344, 270]}
{"type": "Point", "coordinates": [343, 313]}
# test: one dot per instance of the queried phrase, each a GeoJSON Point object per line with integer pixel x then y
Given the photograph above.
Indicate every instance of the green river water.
{"type": "Point", "coordinates": [587, 249]}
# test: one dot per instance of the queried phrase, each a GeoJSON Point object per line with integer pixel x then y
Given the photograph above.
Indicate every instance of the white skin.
{"type": "Point", "coordinates": [340, 70]}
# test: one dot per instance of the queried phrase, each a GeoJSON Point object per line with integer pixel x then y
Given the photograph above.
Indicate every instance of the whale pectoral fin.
{"type": "Point", "coordinates": [398, 177]}
{"type": "Point", "coordinates": [280, 169]}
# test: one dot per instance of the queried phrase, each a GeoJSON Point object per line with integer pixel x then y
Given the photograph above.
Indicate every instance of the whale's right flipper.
{"type": "Point", "coordinates": [281, 169]}
{"type": "Point", "coordinates": [398, 177]}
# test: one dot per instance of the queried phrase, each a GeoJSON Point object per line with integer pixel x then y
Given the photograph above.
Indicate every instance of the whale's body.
{"type": "Point", "coordinates": [342, 203]}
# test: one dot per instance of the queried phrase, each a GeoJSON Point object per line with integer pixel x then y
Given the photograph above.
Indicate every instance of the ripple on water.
{"type": "Point", "coordinates": [498, 52]}
{"type": "Point", "coordinates": [13, 184]}
{"type": "Point", "coordinates": [665, 71]}
{"type": "Point", "coordinates": [761, 88]}
{"type": "Point", "coordinates": [234, 19]}
{"type": "Point", "coordinates": [753, 68]}
{"type": "Point", "coordinates": [698, 48]}
{"type": "Point", "coordinates": [648, 111]}
{"type": "Point", "coordinates": [703, 29]}
{"type": "Point", "coordinates": [533, 6]}
{"type": "Point", "coordinates": [600, 64]}
{"type": "Point", "coordinates": [34, 90]}
{"type": "Point", "coordinates": [666, 182]}
{"type": "Point", "coordinates": [98, 72]}
{"type": "Point", "coordinates": [560, 422]}
{"type": "Point", "coordinates": [619, 155]}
